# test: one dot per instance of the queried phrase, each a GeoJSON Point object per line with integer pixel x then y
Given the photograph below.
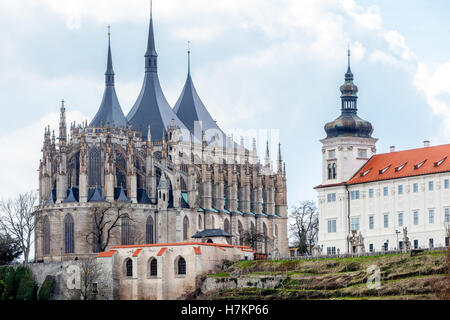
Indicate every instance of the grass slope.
{"type": "Point", "coordinates": [402, 277]}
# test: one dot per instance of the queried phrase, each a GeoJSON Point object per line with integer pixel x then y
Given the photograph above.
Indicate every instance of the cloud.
{"type": "Point", "coordinates": [434, 83]}
{"type": "Point", "coordinates": [20, 163]}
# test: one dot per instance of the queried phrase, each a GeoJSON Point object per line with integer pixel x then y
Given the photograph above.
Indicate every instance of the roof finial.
{"type": "Point", "coordinates": [189, 57]}
{"type": "Point", "coordinates": [109, 75]}
{"type": "Point", "coordinates": [151, 9]}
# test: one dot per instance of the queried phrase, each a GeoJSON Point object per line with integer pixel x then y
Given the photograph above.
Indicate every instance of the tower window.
{"type": "Point", "coordinates": [362, 153]}
{"type": "Point", "coordinates": [334, 170]}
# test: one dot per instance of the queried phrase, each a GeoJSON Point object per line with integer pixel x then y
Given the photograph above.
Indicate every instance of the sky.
{"type": "Point", "coordinates": [262, 65]}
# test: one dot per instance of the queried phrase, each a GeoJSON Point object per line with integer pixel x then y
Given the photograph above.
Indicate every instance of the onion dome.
{"type": "Point", "coordinates": [348, 123]}
{"type": "Point", "coordinates": [110, 111]}
{"type": "Point", "coordinates": [151, 108]}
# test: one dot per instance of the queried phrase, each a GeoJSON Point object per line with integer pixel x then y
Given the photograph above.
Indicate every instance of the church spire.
{"type": "Point", "coordinates": [110, 112]}
{"type": "Point", "coordinates": [189, 58]}
{"type": "Point", "coordinates": [109, 74]}
{"type": "Point", "coordinates": [151, 57]}
{"type": "Point", "coordinates": [349, 91]}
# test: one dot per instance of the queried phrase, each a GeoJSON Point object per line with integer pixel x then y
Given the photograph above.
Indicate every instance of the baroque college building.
{"type": "Point", "coordinates": [378, 202]}
{"type": "Point", "coordinates": [167, 175]}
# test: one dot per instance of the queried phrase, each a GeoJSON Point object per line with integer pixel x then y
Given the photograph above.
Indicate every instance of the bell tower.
{"type": "Point", "coordinates": [349, 143]}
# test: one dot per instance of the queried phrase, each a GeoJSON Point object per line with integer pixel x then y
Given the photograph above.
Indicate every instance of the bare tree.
{"type": "Point", "coordinates": [252, 238]}
{"type": "Point", "coordinates": [106, 219]}
{"type": "Point", "coordinates": [304, 226]}
{"type": "Point", "coordinates": [17, 218]}
{"type": "Point", "coordinates": [90, 273]}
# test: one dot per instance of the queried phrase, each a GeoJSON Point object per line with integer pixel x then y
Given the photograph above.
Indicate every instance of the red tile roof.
{"type": "Point", "coordinates": [136, 253]}
{"type": "Point", "coordinates": [161, 252]}
{"type": "Point", "coordinates": [107, 254]}
{"type": "Point", "coordinates": [402, 164]}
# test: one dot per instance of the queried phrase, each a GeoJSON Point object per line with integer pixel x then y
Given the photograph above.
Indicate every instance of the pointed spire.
{"type": "Point", "coordinates": [62, 125]}
{"type": "Point", "coordinates": [151, 57]}
{"type": "Point", "coordinates": [349, 74]}
{"type": "Point", "coordinates": [110, 112]}
{"type": "Point", "coordinates": [109, 74]}
{"type": "Point", "coordinates": [267, 160]}
{"type": "Point", "coordinates": [189, 58]}
{"type": "Point", "coordinates": [280, 162]}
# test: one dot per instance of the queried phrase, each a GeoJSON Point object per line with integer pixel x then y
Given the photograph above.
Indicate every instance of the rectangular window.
{"type": "Point", "coordinates": [370, 193]}
{"type": "Point", "coordinates": [400, 189]}
{"type": "Point", "coordinates": [371, 247]}
{"type": "Point", "coordinates": [371, 222]}
{"type": "Point", "coordinates": [415, 187]}
{"type": "Point", "coordinates": [416, 218]}
{"type": "Point", "coordinates": [331, 154]}
{"type": "Point", "coordinates": [354, 224]}
{"type": "Point", "coordinates": [362, 153]}
{"type": "Point", "coordinates": [446, 184]}
{"type": "Point", "coordinates": [447, 215]}
{"type": "Point", "coordinates": [354, 195]}
{"type": "Point", "coordinates": [431, 243]}
{"type": "Point", "coordinates": [331, 250]}
{"type": "Point", "coordinates": [400, 219]}
{"type": "Point", "coordinates": [331, 197]}
{"type": "Point", "coordinates": [386, 220]}
{"type": "Point", "coordinates": [416, 244]}
{"type": "Point", "coordinates": [430, 185]}
{"type": "Point", "coordinates": [431, 216]}
{"type": "Point", "coordinates": [385, 191]}
{"type": "Point", "coordinates": [331, 226]}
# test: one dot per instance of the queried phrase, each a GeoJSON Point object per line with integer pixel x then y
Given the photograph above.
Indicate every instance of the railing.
{"type": "Point", "coordinates": [364, 254]}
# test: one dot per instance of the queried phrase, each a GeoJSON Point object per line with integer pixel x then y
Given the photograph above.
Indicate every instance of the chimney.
{"type": "Point", "coordinates": [426, 143]}
{"type": "Point", "coordinates": [392, 148]}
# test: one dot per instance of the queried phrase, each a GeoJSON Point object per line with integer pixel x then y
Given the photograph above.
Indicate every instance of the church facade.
{"type": "Point", "coordinates": [378, 202]}
{"type": "Point", "coordinates": [158, 175]}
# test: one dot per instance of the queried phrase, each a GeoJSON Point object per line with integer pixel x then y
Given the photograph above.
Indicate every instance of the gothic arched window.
{"type": "Point", "coordinates": [265, 237]}
{"type": "Point", "coordinates": [69, 243]}
{"type": "Point", "coordinates": [181, 266]}
{"type": "Point", "coordinates": [46, 236]}
{"type": "Point", "coordinates": [149, 231]}
{"type": "Point", "coordinates": [94, 167]}
{"type": "Point", "coordinates": [185, 228]}
{"type": "Point", "coordinates": [126, 231]}
{"type": "Point", "coordinates": [128, 268]}
{"type": "Point", "coordinates": [241, 233]}
{"type": "Point", "coordinates": [334, 170]}
{"type": "Point", "coordinates": [153, 267]}
{"type": "Point", "coordinates": [121, 170]}
{"type": "Point", "coordinates": [226, 226]}
{"type": "Point", "coordinates": [199, 222]}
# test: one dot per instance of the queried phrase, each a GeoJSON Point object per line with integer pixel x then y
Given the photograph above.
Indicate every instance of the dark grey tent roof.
{"type": "Point", "coordinates": [142, 197]}
{"type": "Point", "coordinates": [110, 111]}
{"type": "Point", "coordinates": [96, 196]}
{"type": "Point", "coordinates": [212, 233]}
{"type": "Point", "coordinates": [151, 108]}
{"type": "Point", "coordinates": [72, 195]}
{"type": "Point", "coordinates": [122, 196]}
{"type": "Point", "coordinates": [193, 113]}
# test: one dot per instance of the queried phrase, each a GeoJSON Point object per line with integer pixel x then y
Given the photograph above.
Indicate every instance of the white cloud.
{"type": "Point", "coordinates": [397, 45]}
{"type": "Point", "coordinates": [434, 83]}
{"type": "Point", "coordinates": [369, 18]}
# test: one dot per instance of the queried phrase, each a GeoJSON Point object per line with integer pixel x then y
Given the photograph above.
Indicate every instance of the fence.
{"type": "Point", "coordinates": [365, 254]}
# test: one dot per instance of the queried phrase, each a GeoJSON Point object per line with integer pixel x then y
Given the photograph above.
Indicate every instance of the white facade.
{"type": "Point", "coordinates": [378, 209]}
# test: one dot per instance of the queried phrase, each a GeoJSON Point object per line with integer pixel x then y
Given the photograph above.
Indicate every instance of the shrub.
{"type": "Point", "coordinates": [46, 290]}
{"type": "Point", "coordinates": [2, 288]}
{"type": "Point", "coordinates": [25, 286]}
{"type": "Point", "coordinates": [10, 290]}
